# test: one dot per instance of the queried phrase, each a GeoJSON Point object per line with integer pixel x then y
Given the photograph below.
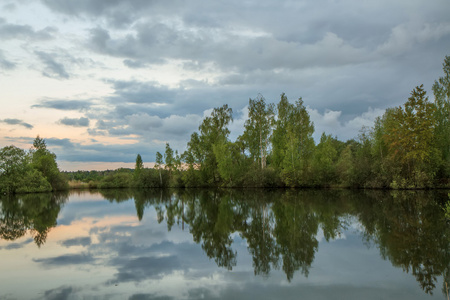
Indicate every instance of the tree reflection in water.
{"type": "Point", "coordinates": [36, 213]}
{"type": "Point", "coordinates": [281, 228]}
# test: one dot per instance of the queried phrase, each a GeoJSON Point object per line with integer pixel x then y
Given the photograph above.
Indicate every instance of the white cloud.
{"type": "Point", "coordinates": [405, 36]}
{"type": "Point", "coordinates": [330, 122]}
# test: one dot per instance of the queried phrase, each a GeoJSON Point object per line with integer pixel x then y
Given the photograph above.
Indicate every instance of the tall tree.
{"type": "Point", "coordinates": [169, 158]}
{"type": "Point", "coordinates": [229, 162]}
{"type": "Point", "coordinates": [258, 129]}
{"type": "Point", "coordinates": [138, 167]}
{"type": "Point", "coordinates": [324, 163]}
{"type": "Point", "coordinates": [409, 137]}
{"type": "Point", "coordinates": [158, 165]}
{"type": "Point", "coordinates": [292, 142]}
{"type": "Point", "coordinates": [13, 166]}
{"type": "Point", "coordinates": [379, 151]}
{"type": "Point", "coordinates": [45, 162]}
{"type": "Point", "coordinates": [213, 130]}
{"type": "Point", "coordinates": [441, 90]}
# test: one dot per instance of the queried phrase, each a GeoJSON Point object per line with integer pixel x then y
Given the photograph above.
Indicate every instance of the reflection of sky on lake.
{"type": "Point", "coordinates": [101, 250]}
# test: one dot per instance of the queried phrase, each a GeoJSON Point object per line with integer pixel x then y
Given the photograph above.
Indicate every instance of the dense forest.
{"type": "Point", "coordinates": [407, 147]}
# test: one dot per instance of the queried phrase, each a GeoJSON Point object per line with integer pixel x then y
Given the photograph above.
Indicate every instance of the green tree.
{"type": "Point", "coordinates": [158, 165]}
{"type": "Point", "coordinates": [33, 182]}
{"type": "Point", "coordinates": [409, 138]}
{"type": "Point", "coordinates": [120, 178]}
{"type": "Point", "coordinates": [13, 166]}
{"type": "Point", "coordinates": [138, 167]}
{"type": "Point", "coordinates": [292, 142]}
{"type": "Point", "coordinates": [229, 162]}
{"type": "Point", "coordinates": [441, 90]}
{"type": "Point", "coordinates": [45, 162]}
{"type": "Point", "coordinates": [447, 209]}
{"type": "Point", "coordinates": [213, 130]}
{"type": "Point", "coordinates": [345, 166]}
{"type": "Point", "coordinates": [169, 158]}
{"type": "Point", "coordinates": [324, 163]}
{"type": "Point", "coordinates": [258, 129]}
{"type": "Point", "coordinates": [190, 176]}
{"type": "Point", "coordinates": [382, 167]}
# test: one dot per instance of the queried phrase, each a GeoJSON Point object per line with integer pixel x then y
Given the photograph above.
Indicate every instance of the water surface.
{"type": "Point", "coordinates": [239, 244]}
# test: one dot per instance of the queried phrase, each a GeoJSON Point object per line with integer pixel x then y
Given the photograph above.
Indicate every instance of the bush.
{"type": "Point", "coordinates": [33, 182]}
{"type": "Point", "coordinates": [447, 209]}
{"type": "Point", "coordinates": [116, 180]}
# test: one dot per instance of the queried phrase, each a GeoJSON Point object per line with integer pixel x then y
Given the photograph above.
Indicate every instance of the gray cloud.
{"type": "Point", "coordinates": [149, 297]}
{"type": "Point", "coordinates": [63, 260]}
{"type": "Point", "coordinates": [117, 13]}
{"type": "Point", "coordinates": [53, 68]}
{"type": "Point", "coordinates": [143, 268]}
{"type": "Point", "coordinates": [82, 241]}
{"type": "Point", "coordinates": [12, 31]}
{"type": "Point", "coordinates": [67, 150]}
{"type": "Point", "coordinates": [134, 64]}
{"type": "Point", "coordinates": [6, 64]}
{"type": "Point", "coordinates": [234, 52]}
{"type": "Point", "coordinates": [60, 293]}
{"type": "Point", "coordinates": [17, 122]}
{"type": "Point", "coordinates": [13, 246]}
{"type": "Point", "coordinates": [141, 92]}
{"type": "Point", "coordinates": [80, 122]}
{"type": "Point", "coordinates": [9, 7]}
{"type": "Point", "coordinates": [64, 143]}
{"type": "Point", "coordinates": [79, 105]}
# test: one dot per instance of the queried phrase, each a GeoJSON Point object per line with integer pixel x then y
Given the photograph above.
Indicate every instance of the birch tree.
{"type": "Point", "coordinates": [258, 129]}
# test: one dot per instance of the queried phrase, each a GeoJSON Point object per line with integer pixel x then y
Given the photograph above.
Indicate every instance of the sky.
{"type": "Point", "coordinates": [102, 81]}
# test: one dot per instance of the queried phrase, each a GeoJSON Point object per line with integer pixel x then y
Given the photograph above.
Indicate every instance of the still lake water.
{"type": "Point", "coordinates": [239, 244]}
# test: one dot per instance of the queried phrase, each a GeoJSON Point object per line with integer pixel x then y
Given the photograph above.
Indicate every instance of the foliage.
{"type": "Point", "coordinates": [27, 172]}
{"type": "Point", "coordinates": [441, 91]}
{"type": "Point", "coordinates": [45, 162]}
{"type": "Point", "coordinates": [324, 161]}
{"type": "Point", "coordinates": [122, 178]}
{"type": "Point", "coordinates": [213, 131]}
{"type": "Point", "coordinates": [292, 142]}
{"type": "Point", "coordinates": [29, 212]}
{"type": "Point", "coordinates": [169, 158]}
{"type": "Point", "coordinates": [258, 129]}
{"type": "Point", "coordinates": [33, 182]}
{"type": "Point", "coordinates": [14, 163]}
{"type": "Point", "coordinates": [138, 167]}
{"type": "Point", "coordinates": [409, 137]}
{"type": "Point", "coordinates": [447, 208]}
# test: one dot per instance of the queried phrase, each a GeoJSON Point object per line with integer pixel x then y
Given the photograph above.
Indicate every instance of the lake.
{"type": "Point", "coordinates": [232, 244]}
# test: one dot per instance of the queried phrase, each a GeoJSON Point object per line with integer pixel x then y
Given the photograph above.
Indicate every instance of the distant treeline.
{"type": "Point", "coordinates": [407, 147]}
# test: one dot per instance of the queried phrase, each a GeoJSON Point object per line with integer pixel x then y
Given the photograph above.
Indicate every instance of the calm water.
{"type": "Point", "coordinates": [251, 244]}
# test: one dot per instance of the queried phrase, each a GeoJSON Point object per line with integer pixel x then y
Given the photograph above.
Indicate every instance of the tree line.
{"type": "Point", "coordinates": [407, 147]}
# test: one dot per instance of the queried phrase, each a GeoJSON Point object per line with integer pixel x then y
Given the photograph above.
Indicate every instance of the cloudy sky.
{"type": "Point", "coordinates": [105, 80]}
